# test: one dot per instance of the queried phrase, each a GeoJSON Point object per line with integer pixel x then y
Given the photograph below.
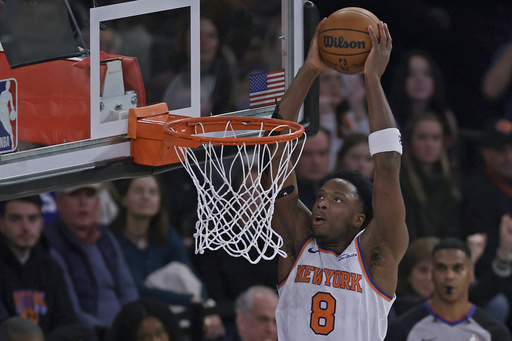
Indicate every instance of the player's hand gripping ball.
{"type": "Point", "coordinates": [344, 41]}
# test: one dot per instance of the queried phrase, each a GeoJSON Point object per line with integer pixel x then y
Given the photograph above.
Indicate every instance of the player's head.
{"type": "Point", "coordinates": [21, 222]}
{"type": "Point", "coordinates": [256, 314]}
{"type": "Point", "coordinates": [343, 206]}
{"type": "Point", "coordinates": [364, 190]}
{"type": "Point", "coordinates": [452, 270]}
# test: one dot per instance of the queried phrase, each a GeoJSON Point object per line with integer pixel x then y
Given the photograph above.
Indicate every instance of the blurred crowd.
{"type": "Point", "coordinates": [115, 261]}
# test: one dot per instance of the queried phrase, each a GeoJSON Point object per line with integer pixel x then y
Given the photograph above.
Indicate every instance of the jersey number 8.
{"type": "Point", "coordinates": [323, 308]}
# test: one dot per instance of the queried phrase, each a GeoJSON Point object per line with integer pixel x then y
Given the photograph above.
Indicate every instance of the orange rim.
{"type": "Point", "coordinates": [182, 132]}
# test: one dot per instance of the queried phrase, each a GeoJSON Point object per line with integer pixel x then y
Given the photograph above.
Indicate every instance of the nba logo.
{"type": "Point", "coordinates": [8, 115]}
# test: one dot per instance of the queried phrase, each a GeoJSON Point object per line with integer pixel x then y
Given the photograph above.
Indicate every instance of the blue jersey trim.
{"type": "Point", "coordinates": [301, 249]}
{"type": "Point", "coordinates": [450, 323]}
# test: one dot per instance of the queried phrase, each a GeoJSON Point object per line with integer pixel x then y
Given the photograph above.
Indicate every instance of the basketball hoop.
{"type": "Point", "coordinates": [234, 207]}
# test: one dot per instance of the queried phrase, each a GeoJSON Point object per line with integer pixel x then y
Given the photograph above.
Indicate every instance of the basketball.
{"type": "Point", "coordinates": [344, 41]}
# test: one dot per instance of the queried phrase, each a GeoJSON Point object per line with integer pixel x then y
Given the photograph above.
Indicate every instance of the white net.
{"type": "Point", "coordinates": [234, 207]}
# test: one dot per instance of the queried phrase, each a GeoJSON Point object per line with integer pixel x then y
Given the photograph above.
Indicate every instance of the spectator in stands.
{"type": "Point", "coordinates": [488, 289]}
{"type": "Point", "coordinates": [487, 193]}
{"type": "Point", "coordinates": [155, 252]}
{"type": "Point", "coordinates": [448, 315]}
{"type": "Point", "coordinates": [31, 282]}
{"type": "Point", "coordinates": [355, 155]}
{"type": "Point", "coordinates": [256, 315]}
{"type": "Point", "coordinates": [145, 319]}
{"type": "Point", "coordinates": [18, 328]}
{"type": "Point", "coordinates": [342, 107]}
{"type": "Point", "coordinates": [313, 166]}
{"type": "Point", "coordinates": [226, 277]}
{"type": "Point", "coordinates": [97, 276]}
{"type": "Point", "coordinates": [497, 80]}
{"type": "Point", "coordinates": [429, 187]}
{"type": "Point", "coordinates": [418, 88]}
{"type": "Point", "coordinates": [172, 84]}
{"type": "Point", "coordinates": [415, 283]}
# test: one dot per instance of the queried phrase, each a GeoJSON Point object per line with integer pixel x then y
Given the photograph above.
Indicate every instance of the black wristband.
{"type": "Point", "coordinates": [276, 114]}
{"type": "Point", "coordinates": [285, 191]}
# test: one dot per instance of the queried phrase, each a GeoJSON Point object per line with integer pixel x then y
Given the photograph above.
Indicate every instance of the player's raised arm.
{"type": "Point", "coordinates": [386, 238]}
{"type": "Point", "coordinates": [292, 219]}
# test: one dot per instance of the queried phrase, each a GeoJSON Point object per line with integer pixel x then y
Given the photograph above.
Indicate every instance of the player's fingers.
{"type": "Point", "coordinates": [384, 38]}
{"type": "Point", "coordinates": [317, 32]}
{"type": "Point", "coordinates": [373, 36]}
{"type": "Point", "coordinates": [386, 33]}
{"type": "Point", "coordinates": [318, 26]}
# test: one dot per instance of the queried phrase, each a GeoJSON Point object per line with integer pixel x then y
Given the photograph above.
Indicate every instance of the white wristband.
{"type": "Point", "coordinates": [385, 140]}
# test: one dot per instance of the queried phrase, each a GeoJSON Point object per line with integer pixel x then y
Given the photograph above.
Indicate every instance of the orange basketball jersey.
{"type": "Point", "coordinates": [329, 296]}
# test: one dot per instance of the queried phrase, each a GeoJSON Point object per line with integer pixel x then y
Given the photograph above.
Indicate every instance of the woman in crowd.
{"type": "Point", "coordinates": [415, 283]}
{"type": "Point", "coordinates": [355, 155]}
{"type": "Point", "coordinates": [154, 250]}
{"type": "Point", "coordinates": [429, 187]}
{"type": "Point", "coordinates": [144, 320]}
{"type": "Point", "coordinates": [418, 88]}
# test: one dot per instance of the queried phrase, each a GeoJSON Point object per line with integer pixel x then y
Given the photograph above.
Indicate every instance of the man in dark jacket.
{"type": "Point", "coordinates": [31, 282]}
{"type": "Point", "coordinates": [97, 277]}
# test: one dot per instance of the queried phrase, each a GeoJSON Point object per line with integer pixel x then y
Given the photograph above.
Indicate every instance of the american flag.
{"type": "Point", "coordinates": [266, 88]}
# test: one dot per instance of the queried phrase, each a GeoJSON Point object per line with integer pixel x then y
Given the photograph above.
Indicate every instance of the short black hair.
{"type": "Point", "coordinates": [364, 189]}
{"type": "Point", "coordinates": [35, 199]}
{"type": "Point", "coordinates": [452, 243]}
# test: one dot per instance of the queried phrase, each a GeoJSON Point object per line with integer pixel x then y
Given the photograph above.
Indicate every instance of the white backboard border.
{"type": "Point", "coordinates": [129, 9]}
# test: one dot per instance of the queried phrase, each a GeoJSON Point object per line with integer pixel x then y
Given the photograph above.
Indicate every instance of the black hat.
{"type": "Point", "coordinates": [497, 134]}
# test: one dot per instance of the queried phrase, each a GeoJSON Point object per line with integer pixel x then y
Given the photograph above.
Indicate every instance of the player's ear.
{"type": "Point", "coordinates": [359, 220]}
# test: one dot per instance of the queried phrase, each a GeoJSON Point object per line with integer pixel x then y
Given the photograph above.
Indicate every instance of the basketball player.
{"type": "Point", "coordinates": [339, 278]}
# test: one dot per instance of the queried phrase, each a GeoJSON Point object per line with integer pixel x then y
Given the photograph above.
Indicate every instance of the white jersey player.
{"type": "Point", "coordinates": [334, 285]}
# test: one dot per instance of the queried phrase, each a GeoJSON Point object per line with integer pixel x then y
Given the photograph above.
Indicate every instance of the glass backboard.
{"type": "Point", "coordinates": [71, 113]}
